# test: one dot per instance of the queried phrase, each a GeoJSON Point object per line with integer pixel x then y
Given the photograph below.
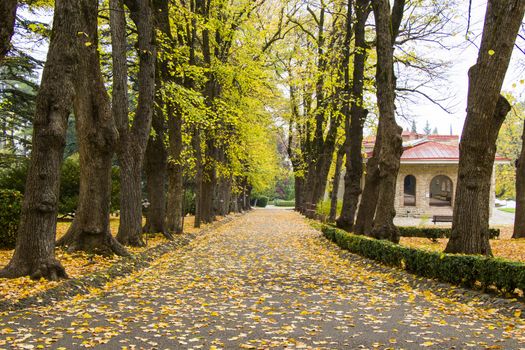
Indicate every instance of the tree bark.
{"type": "Point", "coordinates": [175, 170]}
{"type": "Point", "coordinates": [7, 25]}
{"type": "Point", "coordinates": [519, 218]}
{"type": "Point", "coordinates": [155, 166]}
{"type": "Point", "coordinates": [335, 183]}
{"type": "Point", "coordinates": [175, 195]}
{"type": "Point", "coordinates": [392, 143]}
{"type": "Point", "coordinates": [354, 125]}
{"type": "Point", "coordinates": [134, 138]}
{"type": "Point", "coordinates": [486, 111]}
{"type": "Point", "coordinates": [368, 203]}
{"type": "Point", "coordinates": [35, 244]}
{"type": "Point", "coordinates": [97, 136]}
{"type": "Point", "coordinates": [299, 195]}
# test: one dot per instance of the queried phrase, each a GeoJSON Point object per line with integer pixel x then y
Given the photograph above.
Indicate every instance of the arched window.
{"type": "Point", "coordinates": [441, 191]}
{"type": "Point", "coordinates": [409, 191]}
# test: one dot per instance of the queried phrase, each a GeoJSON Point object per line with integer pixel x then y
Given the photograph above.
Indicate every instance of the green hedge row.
{"type": "Point", "coordinates": [10, 209]}
{"type": "Point", "coordinates": [464, 270]}
{"type": "Point", "coordinates": [283, 203]}
{"type": "Point", "coordinates": [436, 232]}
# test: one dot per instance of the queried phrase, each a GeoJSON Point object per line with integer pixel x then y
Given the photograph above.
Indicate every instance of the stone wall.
{"type": "Point", "coordinates": [424, 173]}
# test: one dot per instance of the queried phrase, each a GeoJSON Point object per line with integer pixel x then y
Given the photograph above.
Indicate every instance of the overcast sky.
{"type": "Point", "coordinates": [462, 59]}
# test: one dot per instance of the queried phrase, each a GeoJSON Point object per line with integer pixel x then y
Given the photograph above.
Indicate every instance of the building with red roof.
{"type": "Point", "coordinates": [427, 175]}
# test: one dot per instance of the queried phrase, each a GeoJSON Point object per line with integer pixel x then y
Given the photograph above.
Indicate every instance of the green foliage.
{"type": "Point", "coordinates": [259, 201]}
{"type": "Point", "coordinates": [509, 146]}
{"type": "Point", "coordinates": [323, 207]}
{"type": "Point", "coordinates": [436, 232]}
{"type": "Point", "coordinates": [281, 203]}
{"type": "Point", "coordinates": [464, 270]}
{"type": "Point", "coordinates": [10, 209]}
{"type": "Point", "coordinates": [14, 178]}
{"type": "Point", "coordinates": [189, 202]}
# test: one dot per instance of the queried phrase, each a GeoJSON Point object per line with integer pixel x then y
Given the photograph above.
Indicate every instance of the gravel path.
{"type": "Point", "coordinates": [265, 280]}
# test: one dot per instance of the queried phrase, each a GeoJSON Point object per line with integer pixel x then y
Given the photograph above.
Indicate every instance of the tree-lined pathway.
{"type": "Point", "coordinates": [265, 280]}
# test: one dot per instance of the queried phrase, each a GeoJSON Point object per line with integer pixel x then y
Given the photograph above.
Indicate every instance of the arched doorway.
{"type": "Point", "coordinates": [441, 191]}
{"type": "Point", "coordinates": [409, 191]}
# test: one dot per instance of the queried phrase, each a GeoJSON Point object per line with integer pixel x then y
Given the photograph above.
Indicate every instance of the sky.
{"type": "Point", "coordinates": [462, 59]}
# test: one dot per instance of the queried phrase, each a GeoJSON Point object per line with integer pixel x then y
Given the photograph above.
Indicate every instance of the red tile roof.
{"type": "Point", "coordinates": [432, 151]}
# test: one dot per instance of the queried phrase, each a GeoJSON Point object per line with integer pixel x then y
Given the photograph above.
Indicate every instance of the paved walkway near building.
{"type": "Point", "coordinates": [498, 218]}
{"type": "Point", "coordinates": [265, 280]}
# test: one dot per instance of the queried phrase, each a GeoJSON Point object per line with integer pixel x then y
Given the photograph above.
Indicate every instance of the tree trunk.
{"type": "Point", "coordinates": [368, 203]}
{"type": "Point", "coordinates": [519, 218]}
{"type": "Point", "coordinates": [175, 180]}
{"type": "Point", "coordinates": [392, 142]}
{"type": "Point", "coordinates": [133, 140]}
{"type": "Point", "coordinates": [354, 125]}
{"type": "Point", "coordinates": [97, 136]}
{"type": "Point", "coordinates": [196, 142]}
{"type": "Point", "coordinates": [299, 192]}
{"type": "Point", "coordinates": [35, 244]}
{"type": "Point", "coordinates": [486, 111]}
{"type": "Point", "coordinates": [335, 184]}
{"type": "Point", "coordinates": [155, 166]}
{"type": "Point", "coordinates": [7, 25]}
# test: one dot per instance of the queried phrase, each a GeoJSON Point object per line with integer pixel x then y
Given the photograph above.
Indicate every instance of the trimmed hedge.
{"type": "Point", "coordinates": [464, 270]}
{"type": "Point", "coordinates": [10, 209]}
{"type": "Point", "coordinates": [436, 232]}
{"type": "Point", "coordinates": [284, 203]}
{"type": "Point", "coordinates": [260, 201]}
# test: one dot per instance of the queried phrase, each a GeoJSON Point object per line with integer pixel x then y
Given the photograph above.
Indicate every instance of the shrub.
{"type": "Point", "coordinates": [323, 207]}
{"type": "Point", "coordinates": [465, 270]}
{"type": "Point", "coordinates": [10, 208]}
{"type": "Point", "coordinates": [284, 203]}
{"type": "Point", "coordinates": [261, 201]}
{"type": "Point", "coordinates": [436, 232]}
{"type": "Point", "coordinates": [189, 202]}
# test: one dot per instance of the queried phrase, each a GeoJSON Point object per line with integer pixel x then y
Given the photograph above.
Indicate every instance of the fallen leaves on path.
{"type": "Point", "coordinates": [266, 280]}
{"type": "Point", "coordinates": [77, 264]}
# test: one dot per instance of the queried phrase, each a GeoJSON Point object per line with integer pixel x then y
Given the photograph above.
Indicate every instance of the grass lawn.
{"type": "Point", "coordinates": [506, 248]}
{"type": "Point", "coordinates": [508, 210]}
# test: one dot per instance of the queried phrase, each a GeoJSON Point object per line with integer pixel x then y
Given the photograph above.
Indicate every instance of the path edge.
{"type": "Point", "coordinates": [123, 267]}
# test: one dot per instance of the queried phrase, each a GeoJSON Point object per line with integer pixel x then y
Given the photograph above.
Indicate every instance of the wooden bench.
{"type": "Point", "coordinates": [442, 218]}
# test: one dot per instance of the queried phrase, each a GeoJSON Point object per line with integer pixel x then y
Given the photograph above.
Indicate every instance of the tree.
{"type": "Point", "coordinates": [7, 25]}
{"type": "Point", "coordinates": [435, 131]}
{"type": "Point", "coordinates": [35, 248]}
{"type": "Point", "coordinates": [335, 183]}
{"type": "Point", "coordinates": [486, 111]}
{"type": "Point", "coordinates": [388, 138]}
{"type": "Point", "coordinates": [133, 137]}
{"type": "Point", "coordinates": [354, 124]}
{"type": "Point", "coordinates": [414, 127]}
{"type": "Point", "coordinates": [97, 136]}
{"type": "Point", "coordinates": [391, 143]}
{"type": "Point", "coordinates": [427, 129]}
{"type": "Point", "coordinates": [519, 218]}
